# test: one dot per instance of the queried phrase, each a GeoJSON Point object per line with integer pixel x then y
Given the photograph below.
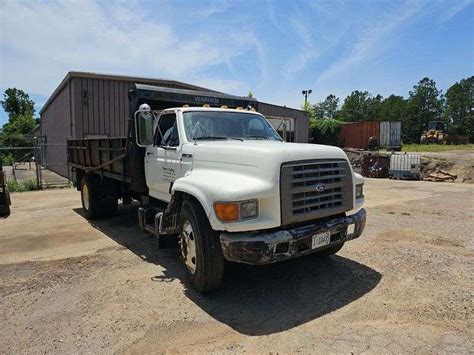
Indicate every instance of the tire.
{"type": "Point", "coordinates": [5, 209]}
{"type": "Point", "coordinates": [329, 251]}
{"type": "Point", "coordinates": [90, 196]}
{"type": "Point", "coordinates": [97, 200]}
{"type": "Point", "coordinates": [109, 207]}
{"type": "Point", "coordinates": [205, 273]}
{"type": "Point", "coordinates": [109, 202]}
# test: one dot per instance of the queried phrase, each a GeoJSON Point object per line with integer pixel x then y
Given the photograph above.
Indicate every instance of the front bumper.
{"type": "Point", "coordinates": [266, 247]}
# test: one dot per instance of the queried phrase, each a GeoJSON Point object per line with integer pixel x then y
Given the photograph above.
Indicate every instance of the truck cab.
{"type": "Point", "coordinates": [259, 199]}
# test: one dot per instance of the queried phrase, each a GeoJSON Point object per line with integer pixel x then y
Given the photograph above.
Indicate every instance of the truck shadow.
{"type": "Point", "coordinates": [255, 300]}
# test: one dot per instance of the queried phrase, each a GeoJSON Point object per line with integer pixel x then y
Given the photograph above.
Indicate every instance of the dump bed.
{"type": "Point", "coordinates": [93, 153]}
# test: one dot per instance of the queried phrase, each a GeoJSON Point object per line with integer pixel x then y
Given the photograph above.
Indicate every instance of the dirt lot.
{"type": "Point", "coordinates": [405, 286]}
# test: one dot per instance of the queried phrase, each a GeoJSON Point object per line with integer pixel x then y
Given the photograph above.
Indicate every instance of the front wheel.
{"type": "Point", "coordinates": [200, 248]}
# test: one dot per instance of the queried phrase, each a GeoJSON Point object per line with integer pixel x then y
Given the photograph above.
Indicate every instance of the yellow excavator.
{"type": "Point", "coordinates": [435, 132]}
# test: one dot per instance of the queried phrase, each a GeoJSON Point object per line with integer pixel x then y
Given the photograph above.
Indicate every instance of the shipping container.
{"type": "Point", "coordinates": [357, 134]}
{"type": "Point", "coordinates": [390, 135]}
{"type": "Point", "coordinates": [405, 166]}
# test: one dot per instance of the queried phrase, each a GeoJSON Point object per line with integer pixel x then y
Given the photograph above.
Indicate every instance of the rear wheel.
{"type": "Point", "coordinates": [329, 251]}
{"type": "Point", "coordinates": [200, 248]}
{"type": "Point", "coordinates": [98, 200]}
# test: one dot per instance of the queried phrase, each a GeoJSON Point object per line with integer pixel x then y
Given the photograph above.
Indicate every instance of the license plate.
{"type": "Point", "coordinates": [320, 240]}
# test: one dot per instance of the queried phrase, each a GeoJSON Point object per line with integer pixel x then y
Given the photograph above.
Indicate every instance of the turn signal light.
{"type": "Point", "coordinates": [236, 211]}
{"type": "Point", "coordinates": [227, 212]}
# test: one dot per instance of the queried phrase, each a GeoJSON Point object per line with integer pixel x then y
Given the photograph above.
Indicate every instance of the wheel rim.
{"type": "Point", "coordinates": [188, 247]}
{"type": "Point", "coordinates": [85, 196]}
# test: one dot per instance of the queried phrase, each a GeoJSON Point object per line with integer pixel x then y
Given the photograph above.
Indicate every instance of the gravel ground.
{"type": "Point", "coordinates": [405, 286]}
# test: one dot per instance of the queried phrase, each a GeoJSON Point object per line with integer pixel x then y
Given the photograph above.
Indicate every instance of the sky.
{"type": "Point", "coordinates": [275, 48]}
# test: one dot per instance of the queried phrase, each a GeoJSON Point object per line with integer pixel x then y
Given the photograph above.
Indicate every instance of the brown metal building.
{"type": "Point", "coordinates": [90, 105]}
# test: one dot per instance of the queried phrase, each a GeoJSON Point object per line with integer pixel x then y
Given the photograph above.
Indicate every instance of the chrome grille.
{"type": "Point", "coordinates": [314, 189]}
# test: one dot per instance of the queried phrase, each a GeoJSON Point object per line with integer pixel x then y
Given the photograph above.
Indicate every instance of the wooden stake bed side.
{"type": "Point", "coordinates": [90, 153]}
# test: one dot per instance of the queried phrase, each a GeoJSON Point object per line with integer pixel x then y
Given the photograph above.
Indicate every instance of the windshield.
{"type": "Point", "coordinates": [219, 125]}
{"type": "Point", "coordinates": [434, 126]}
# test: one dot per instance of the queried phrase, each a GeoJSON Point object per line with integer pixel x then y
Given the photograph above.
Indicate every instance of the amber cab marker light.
{"type": "Point", "coordinates": [227, 212]}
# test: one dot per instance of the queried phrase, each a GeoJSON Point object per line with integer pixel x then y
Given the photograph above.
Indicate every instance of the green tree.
{"type": "Point", "coordinates": [361, 106]}
{"type": "Point", "coordinates": [16, 102]}
{"type": "Point", "coordinates": [13, 131]}
{"type": "Point", "coordinates": [326, 109]}
{"type": "Point", "coordinates": [393, 108]}
{"type": "Point", "coordinates": [374, 105]}
{"type": "Point", "coordinates": [20, 110]}
{"type": "Point", "coordinates": [324, 131]}
{"type": "Point", "coordinates": [425, 104]}
{"type": "Point", "coordinates": [459, 109]}
{"type": "Point", "coordinates": [250, 94]}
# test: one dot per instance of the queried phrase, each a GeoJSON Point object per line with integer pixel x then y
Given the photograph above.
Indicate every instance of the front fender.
{"type": "Point", "coordinates": [209, 186]}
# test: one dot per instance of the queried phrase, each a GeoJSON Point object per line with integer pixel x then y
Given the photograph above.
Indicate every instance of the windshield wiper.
{"type": "Point", "coordinates": [217, 137]}
{"type": "Point", "coordinates": [209, 138]}
{"type": "Point", "coordinates": [257, 137]}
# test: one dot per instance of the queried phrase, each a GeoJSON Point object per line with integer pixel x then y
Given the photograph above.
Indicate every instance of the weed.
{"type": "Point", "coordinates": [21, 186]}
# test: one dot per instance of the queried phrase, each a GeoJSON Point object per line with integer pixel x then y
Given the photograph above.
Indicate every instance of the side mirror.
{"type": "Point", "coordinates": [144, 127]}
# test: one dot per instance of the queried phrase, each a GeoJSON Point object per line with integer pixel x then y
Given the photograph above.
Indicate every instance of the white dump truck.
{"type": "Point", "coordinates": [221, 181]}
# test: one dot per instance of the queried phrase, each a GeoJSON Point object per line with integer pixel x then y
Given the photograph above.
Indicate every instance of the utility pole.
{"type": "Point", "coordinates": [306, 93]}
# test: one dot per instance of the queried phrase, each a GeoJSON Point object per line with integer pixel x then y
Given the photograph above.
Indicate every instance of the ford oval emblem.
{"type": "Point", "coordinates": [320, 188]}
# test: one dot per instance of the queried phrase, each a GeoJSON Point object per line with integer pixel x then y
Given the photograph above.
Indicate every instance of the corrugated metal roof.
{"type": "Point", "coordinates": [90, 75]}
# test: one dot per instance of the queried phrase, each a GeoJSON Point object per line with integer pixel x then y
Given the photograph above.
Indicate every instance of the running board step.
{"type": "Point", "coordinates": [150, 221]}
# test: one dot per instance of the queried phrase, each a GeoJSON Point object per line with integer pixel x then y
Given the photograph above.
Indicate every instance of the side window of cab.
{"type": "Point", "coordinates": [166, 134]}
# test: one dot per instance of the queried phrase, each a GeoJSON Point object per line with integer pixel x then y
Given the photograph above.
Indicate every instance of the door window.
{"type": "Point", "coordinates": [166, 133]}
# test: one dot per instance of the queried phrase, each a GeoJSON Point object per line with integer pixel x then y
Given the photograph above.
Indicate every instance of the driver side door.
{"type": "Point", "coordinates": [163, 158]}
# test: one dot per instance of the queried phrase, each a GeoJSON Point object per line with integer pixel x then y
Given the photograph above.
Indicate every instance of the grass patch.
{"type": "Point", "coordinates": [435, 147]}
{"type": "Point", "coordinates": [22, 186]}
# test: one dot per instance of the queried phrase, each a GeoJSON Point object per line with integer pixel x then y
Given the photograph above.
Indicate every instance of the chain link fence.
{"type": "Point", "coordinates": [28, 164]}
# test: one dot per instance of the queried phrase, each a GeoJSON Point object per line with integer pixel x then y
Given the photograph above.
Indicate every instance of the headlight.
{"type": "Point", "coordinates": [236, 211]}
{"type": "Point", "coordinates": [248, 209]}
{"type": "Point", "coordinates": [360, 191]}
